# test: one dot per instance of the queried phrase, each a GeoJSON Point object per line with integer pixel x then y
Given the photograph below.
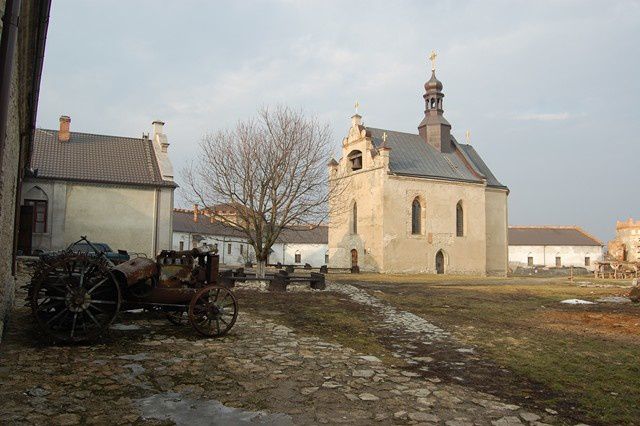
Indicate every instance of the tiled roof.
{"type": "Point", "coordinates": [96, 158]}
{"type": "Point", "coordinates": [550, 236]}
{"type": "Point", "coordinates": [183, 222]}
{"type": "Point", "coordinates": [305, 235]}
{"type": "Point", "coordinates": [411, 155]}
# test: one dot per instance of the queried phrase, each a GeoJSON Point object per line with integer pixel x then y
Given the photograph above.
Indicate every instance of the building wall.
{"type": "Point", "coordinates": [628, 238]}
{"type": "Point", "coordinates": [365, 189]}
{"type": "Point", "coordinates": [546, 255]}
{"type": "Point", "coordinates": [9, 166]}
{"type": "Point", "coordinates": [122, 217]}
{"type": "Point", "coordinates": [404, 252]}
{"type": "Point", "coordinates": [313, 254]}
{"type": "Point", "coordinates": [240, 251]}
{"type": "Point", "coordinates": [497, 217]}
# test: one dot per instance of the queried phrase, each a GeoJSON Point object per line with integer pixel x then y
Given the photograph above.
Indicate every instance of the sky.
{"type": "Point", "coordinates": [548, 89]}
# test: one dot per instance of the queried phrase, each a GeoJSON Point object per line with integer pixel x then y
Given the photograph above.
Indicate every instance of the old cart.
{"type": "Point", "coordinates": [74, 296]}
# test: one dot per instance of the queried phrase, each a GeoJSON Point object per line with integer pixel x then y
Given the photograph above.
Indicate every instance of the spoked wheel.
{"type": "Point", "coordinates": [74, 298]}
{"type": "Point", "coordinates": [178, 317]}
{"type": "Point", "coordinates": [213, 311]}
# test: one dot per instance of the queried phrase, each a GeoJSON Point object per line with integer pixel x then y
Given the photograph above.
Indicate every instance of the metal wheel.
{"type": "Point", "coordinates": [178, 317]}
{"type": "Point", "coordinates": [74, 297]}
{"type": "Point", "coordinates": [213, 311]}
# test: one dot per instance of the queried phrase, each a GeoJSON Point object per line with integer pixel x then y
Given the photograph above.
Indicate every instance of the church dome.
{"type": "Point", "coordinates": [433, 83]}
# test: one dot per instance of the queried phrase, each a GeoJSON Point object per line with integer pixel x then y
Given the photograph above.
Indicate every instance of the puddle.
{"type": "Point", "coordinates": [183, 410]}
{"type": "Point", "coordinates": [125, 327]}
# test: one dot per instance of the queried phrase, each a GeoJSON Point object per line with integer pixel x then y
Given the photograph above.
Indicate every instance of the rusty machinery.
{"type": "Point", "coordinates": [74, 297]}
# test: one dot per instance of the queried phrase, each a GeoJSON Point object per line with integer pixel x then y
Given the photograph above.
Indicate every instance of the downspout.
{"type": "Point", "coordinates": [155, 222]}
{"type": "Point", "coordinates": [7, 49]}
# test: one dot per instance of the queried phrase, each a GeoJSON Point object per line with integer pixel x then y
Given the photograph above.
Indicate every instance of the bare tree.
{"type": "Point", "coordinates": [272, 170]}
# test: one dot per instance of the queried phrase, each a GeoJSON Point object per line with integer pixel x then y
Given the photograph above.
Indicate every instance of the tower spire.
{"type": "Point", "coordinates": [434, 128]}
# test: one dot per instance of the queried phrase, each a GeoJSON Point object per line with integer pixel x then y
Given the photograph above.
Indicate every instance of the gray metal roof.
{"type": "Point", "coordinates": [550, 236]}
{"type": "Point", "coordinates": [411, 155]}
{"type": "Point", "coordinates": [96, 158]}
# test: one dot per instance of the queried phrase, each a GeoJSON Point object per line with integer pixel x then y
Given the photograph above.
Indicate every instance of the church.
{"type": "Point", "coordinates": [416, 202]}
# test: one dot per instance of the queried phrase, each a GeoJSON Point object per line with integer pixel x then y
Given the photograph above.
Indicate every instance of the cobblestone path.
{"type": "Point", "coordinates": [150, 372]}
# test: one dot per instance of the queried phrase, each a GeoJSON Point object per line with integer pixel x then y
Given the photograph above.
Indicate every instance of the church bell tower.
{"type": "Point", "coordinates": [434, 128]}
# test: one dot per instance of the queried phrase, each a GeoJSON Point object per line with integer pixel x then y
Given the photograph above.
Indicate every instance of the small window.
{"type": "Point", "coordinates": [587, 261]}
{"type": "Point", "coordinates": [416, 210]}
{"type": "Point", "coordinates": [354, 224]}
{"type": "Point", "coordinates": [459, 220]}
{"type": "Point", "coordinates": [530, 261]}
{"type": "Point", "coordinates": [298, 257]}
{"type": "Point", "coordinates": [355, 159]}
{"type": "Point", "coordinates": [326, 258]}
{"type": "Point", "coordinates": [241, 249]}
{"type": "Point", "coordinates": [181, 245]}
{"type": "Point", "coordinates": [558, 262]}
{"type": "Point", "coordinates": [39, 215]}
{"type": "Point", "coordinates": [229, 248]}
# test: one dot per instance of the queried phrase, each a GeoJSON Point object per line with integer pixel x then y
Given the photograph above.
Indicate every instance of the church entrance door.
{"type": "Point", "coordinates": [439, 262]}
{"type": "Point", "coordinates": [354, 258]}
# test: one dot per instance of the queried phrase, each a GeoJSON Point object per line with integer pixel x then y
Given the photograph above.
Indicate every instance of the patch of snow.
{"type": "Point", "coordinates": [577, 302]}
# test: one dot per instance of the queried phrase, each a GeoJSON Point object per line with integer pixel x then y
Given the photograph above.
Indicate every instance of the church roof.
{"type": "Point", "coordinates": [411, 155]}
{"type": "Point", "coordinates": [96, 158]}
{"type": "Point", "coordinates": [550, 236]}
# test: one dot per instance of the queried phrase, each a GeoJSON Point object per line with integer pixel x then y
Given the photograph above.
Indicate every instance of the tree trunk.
{"type": "Point", "coordinates": [262, 266]}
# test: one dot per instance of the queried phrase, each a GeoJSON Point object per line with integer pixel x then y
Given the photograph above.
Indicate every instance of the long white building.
{"type": "Point", "coordinates": [294, 246]}
{"type": "Point", "coordinates": [553, 246]}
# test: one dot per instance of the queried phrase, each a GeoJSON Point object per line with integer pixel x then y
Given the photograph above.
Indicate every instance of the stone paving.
{"type": "Point", "coordinates": [150, 372]}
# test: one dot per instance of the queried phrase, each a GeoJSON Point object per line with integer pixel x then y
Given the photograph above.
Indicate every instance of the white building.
{"type": "Point", "coordinates": [115, 190]}
{"type": "Point", "coordinates": [553, 246]}
{"type": "Point", "coordinates": [294, 246]}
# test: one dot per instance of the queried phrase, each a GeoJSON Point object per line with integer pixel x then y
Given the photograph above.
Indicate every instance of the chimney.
{"type": "Point", "coordinates": [195, 213]}
{"type": "Point", "coordinates": [158, 129]}
{"type": "Point", "coordinates": [64, 134]}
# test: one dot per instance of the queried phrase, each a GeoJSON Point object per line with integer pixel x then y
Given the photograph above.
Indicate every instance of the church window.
{"type": "Point", "coordinates": [433, 103]}
{"type": "Point", "coordinates": [530, 261]}
{"type": "Point", "coordinates": [587, 261]}
{"type": "Point", "coordinates": [298, 257]}
{"type": "Point", "coordinates": [229, 248]}
{"type": "Point", "coordinates": [354, 219]}
{"type": "Point", "coordinates": [459, 220]}
{"type": "Point", "coordinates": [416, 211]}
{"type": "Point", "coordinates": [558, 261]}
{"type": "Point", "coordinates": [181, 245]}
{"type": "Point", "coordinates": [355, 159]}
{"type": "Point", "coordinates": [326, 258]}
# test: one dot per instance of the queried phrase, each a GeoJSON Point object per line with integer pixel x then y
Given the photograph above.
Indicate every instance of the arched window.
{"type": "Point", "coordinates": [433, 103]}
{"type": "Point", "coordinates": [459, 220]}
{"type": "Point", "coordinates": [298, 257]}
{"type": "Point", "coordinates": [354, 219]}
{"type": "Point", "coordinates": [416, 211]}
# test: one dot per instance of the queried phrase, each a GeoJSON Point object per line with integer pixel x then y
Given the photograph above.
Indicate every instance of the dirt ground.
{"type": "Point", "coordinates": [369, 349]}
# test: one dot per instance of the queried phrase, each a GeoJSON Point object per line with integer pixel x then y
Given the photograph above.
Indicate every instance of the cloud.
{"type": "Point", "coordinates": [559, 116]}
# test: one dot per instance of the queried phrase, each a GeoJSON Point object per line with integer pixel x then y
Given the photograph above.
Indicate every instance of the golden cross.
{"type": "Point", "coordinates": [467, 135]}
{"type": "Point", "coordinates": [432, 58]}
{"type": "Point", "coordinates": [357, 105]}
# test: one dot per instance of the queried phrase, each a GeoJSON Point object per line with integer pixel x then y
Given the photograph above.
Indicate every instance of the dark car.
{"type": "Point", "coordinates": [114, 256]}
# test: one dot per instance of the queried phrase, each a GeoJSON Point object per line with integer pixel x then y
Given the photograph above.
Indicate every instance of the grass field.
{"type": "Point", "coordinates": [587, 355]}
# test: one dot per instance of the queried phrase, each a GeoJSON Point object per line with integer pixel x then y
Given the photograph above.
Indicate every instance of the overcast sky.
{"type": "Point", "coordinates": [550, 90]}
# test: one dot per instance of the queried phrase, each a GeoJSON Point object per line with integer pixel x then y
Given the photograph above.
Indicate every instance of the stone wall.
{"type": "Point", "coordinates": [9, 167]}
